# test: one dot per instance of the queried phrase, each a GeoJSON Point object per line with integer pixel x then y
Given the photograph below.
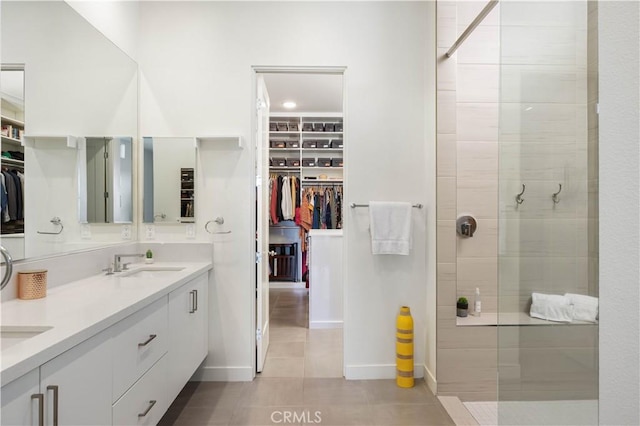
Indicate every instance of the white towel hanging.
{"type": "Point", "coordinates": [390, 227]}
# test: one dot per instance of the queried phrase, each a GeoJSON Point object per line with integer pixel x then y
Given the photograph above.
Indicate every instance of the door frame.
{"type": "Point", "coordinates": [267, 69]}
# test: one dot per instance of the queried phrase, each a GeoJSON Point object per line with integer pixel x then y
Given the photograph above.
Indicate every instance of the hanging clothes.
{"type": "Point", "coordinates": [286, 203]}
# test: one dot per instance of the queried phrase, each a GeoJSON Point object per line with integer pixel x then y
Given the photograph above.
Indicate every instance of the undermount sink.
{"type": "Point", "coordinates": [151, 271]}
{"type": "Point", "coordinates": [14, 334]}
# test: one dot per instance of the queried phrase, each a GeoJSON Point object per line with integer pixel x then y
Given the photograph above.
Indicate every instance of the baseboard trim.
{"type": "Point", "coordinates": [378, 371]}
{"type": "Point", "coordinates": [431, 381]}
{"type": "Point", "coordinates": [223, 374]}
{"type": "Point", "coordinates": [325, 324]}
{"type": "Point", "coordinates": [287, 284]}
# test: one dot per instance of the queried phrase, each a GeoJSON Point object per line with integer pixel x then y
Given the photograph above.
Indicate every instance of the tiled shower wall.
{"type": "Point", "coordinates": [467, 183]}
{"type": "Point", "coordinates": [543, 142]}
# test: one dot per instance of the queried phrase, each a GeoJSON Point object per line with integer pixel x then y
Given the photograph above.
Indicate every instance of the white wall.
{"type": "Point", "coordinates": [196, 79]}
{"type": "Point", "coordinates": [619, 71]}
{"type": "Point", "coordinates": [117, 20]}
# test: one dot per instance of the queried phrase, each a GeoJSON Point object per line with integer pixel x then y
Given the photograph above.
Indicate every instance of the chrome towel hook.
{"type": "Point", "coordinates": [519, 198]}
{"type": "Point", "coordinates": [555, 197]}
{"type": "Point", "coordinates": [56, 221]}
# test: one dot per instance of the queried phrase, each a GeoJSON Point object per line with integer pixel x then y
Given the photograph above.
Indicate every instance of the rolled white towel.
{"type": "Point", "coordinates": [552, 307]}
{"type": "Point", "coordinates": [585, 308]}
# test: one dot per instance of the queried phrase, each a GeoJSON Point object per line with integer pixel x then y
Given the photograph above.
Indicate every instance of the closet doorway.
{"type": "Point", "coordinates": [300, 163]}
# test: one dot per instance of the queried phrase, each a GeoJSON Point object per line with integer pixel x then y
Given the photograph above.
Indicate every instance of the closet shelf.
{"type": "Point", "coordinates": [12, 121]}
{"type": "Point", "coordinates": [304, 181]}
{"type": "Point", "coordinates": [7, 139]}
{"type": "Point", "coordinates": [12, 161]}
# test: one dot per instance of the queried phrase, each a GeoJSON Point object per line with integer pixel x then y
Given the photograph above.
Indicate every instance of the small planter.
{"type": "Point", "coordinates": [462, 307]}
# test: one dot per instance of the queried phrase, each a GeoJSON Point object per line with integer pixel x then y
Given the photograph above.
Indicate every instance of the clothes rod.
{"type": "Point", "coordinates": [472, 26]}
{"type": "Point", "coordinates": [354, 205]}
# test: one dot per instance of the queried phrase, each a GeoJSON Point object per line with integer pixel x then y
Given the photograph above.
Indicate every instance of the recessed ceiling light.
{"type": "Point", "coordinates": [289, 104]}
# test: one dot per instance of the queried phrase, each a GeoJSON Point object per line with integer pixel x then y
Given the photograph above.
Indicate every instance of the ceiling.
{"type": "Point", "coordinates": [311, 92]}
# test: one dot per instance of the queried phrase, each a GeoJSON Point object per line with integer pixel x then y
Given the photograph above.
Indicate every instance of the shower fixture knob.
{"type": "Point", "coordinates": [466, 226]}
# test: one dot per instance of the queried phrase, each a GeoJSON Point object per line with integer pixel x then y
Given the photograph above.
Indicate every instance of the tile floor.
{"type": "Point", "coordinates": [302, 384]}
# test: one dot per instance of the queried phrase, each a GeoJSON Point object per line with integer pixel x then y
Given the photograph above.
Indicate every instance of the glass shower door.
{"type": "Point", "coordinates": [548, 224]}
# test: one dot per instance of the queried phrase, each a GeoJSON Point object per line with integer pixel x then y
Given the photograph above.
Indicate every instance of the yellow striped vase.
{"type": "Point", "coordinates": [404, 348]}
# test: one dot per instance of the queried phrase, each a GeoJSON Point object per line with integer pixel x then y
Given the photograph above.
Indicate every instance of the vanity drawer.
{"type": "Point", "coordinates": [146, 402]}
{"type": "Point", "coordinates": [139, 341]}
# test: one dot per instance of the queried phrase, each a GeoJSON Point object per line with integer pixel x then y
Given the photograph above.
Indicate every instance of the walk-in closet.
{"type": "Point", "coordinates": [305, 146]}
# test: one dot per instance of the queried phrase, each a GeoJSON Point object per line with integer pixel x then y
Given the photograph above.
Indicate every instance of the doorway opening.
{"type": "Point", "coordinates": [300, 165]}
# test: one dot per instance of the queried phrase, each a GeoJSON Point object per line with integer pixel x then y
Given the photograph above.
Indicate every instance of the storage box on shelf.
{"type": "Point", "coordinates": [311, 145]}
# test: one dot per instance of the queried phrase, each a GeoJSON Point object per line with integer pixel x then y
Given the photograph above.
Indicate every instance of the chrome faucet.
{"type": "Point", "coordinates": [117, 264]}
{"type": "Point", "coordinates": [8, 262]}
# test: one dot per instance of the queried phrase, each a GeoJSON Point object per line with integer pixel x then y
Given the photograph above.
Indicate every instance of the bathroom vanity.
{"type": "Point", "coordinates": [108, 349]}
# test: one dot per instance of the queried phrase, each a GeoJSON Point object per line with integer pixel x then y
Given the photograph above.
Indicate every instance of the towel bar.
{"type": "Point", "coordinates": [354, 205]}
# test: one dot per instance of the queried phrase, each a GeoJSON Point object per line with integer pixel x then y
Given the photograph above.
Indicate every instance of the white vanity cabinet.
{"type": "Point", "coordinates": [188, 332]}
{"type": "Point", "coordinates": [74, 388]}
{"type": "Point", "coordinates": [77, 384]}
{"type": "Point", "coordinates": [128, 373]}
{"type": "Point", "coordinates": [18, 407]}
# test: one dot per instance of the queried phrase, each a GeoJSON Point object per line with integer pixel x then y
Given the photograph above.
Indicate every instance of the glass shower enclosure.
{"type": "Point", "coordinates": [547, 213]}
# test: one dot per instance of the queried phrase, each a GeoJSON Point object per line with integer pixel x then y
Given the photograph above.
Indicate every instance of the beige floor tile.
{"type": "Point", "coordinates": [288, 334]}
{"type": "Point", "coordinates": [387, 392]}
{"type": "Point", "coordinates": [316, 348]}
{"type": "Point", "coordinates": [332, 391]}
{"type": "Point", "coordinates": [323, 366]}
{"type": "Point", "coordinates": [341, 415]}
{"type": "Point", "coordinates": [259, 416]}
{"type": "Point", "coordinates": [286, 350]}
{"type": "Point", "coordinates": [283, 367]}
{"type": "Point", "coordinates": [215, 394]}
{"type": "Point", "coordinates": [410, 414]}
{"type": "Point", "coordinates": [268, 392]}
{"type": "Point", "coordinates": [206, 416]}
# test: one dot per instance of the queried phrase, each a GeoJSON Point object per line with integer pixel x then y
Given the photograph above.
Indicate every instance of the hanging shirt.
{"type": "Point", "coordinates": [273, 183]}
{"type": "Point", "coordinates": [287, 212]}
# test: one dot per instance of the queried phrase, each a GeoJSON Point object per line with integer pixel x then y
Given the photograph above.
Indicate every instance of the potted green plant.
{"type": "Point", "coordinates": [462, 307]}
{"type": "Point", "coordinates": [148, 257]}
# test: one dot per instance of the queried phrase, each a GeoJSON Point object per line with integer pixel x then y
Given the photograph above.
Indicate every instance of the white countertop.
{"type": "Point", "coordinates": [509, 318]}
{"type": "Point", "coordinates": [80, 310]}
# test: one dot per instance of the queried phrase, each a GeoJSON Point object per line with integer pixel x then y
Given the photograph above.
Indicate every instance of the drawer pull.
{"type": "Point", "coordinates": [40, 398]}
{"type": "Point", "coordinates": [196, 294]}
{"type": "Point", "coordinates": [192, 300]}
{"type": "Point", "coordinates": [54, 388]}
{"type": "Point", "coordinates": [151, 404]}
{"type": "Point", "coordinates": [151, 337]}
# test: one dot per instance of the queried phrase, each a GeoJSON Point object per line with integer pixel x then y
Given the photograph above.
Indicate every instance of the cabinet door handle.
{"type": "Point", "coordinates": [40, 398]}
{"type": "Point", "coordinates": [54, 388]}
{"type": "Point", "coordinates": [151, 337]}
{"type": "Point", "coordinates": [192, 301]}
{"type": "Point", "coordinates": [151, 404]}
{"type": "Point", "coordinates": [195, 292]}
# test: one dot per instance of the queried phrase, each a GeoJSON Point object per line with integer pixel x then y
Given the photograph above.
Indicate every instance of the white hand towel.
{"type": "Point", "coordinates": [390, 226]}
{"type": "Point", "coordinates": [552, 307]}
{"type": "Point", "coordinates": [585, 308]}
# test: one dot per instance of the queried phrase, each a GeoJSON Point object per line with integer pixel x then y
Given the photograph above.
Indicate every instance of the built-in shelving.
{"type": "Point", "coordinates": [187, 194]}
{"type": "Point", "coordinates": [292, 141]}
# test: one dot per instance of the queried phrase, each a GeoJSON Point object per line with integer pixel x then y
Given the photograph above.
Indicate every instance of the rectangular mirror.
{"type": "Point", "coordinates": [169, 180]}
{"type": "Point", "coordinates": [77, 83]}
{"type": "Point", "coordinates": [105, 180]}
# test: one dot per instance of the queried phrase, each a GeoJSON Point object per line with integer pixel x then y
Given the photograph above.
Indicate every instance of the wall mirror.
{"type": "Point", "coordinates": [169, 194]}
{"type": "Point", "coordinates": [76, 83]}
{"type": "Point", "coordinates": [105, 180]}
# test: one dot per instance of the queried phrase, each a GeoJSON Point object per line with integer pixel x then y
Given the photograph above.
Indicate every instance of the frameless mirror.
{"type": "Point", "coordinates": [169, 180]}
{"type": "Point", "coordinates": [105, 180]}
{"type": "Point", "coordinates": [77, 83]}
{"type": "Point", "coordinates": [12, 160]}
